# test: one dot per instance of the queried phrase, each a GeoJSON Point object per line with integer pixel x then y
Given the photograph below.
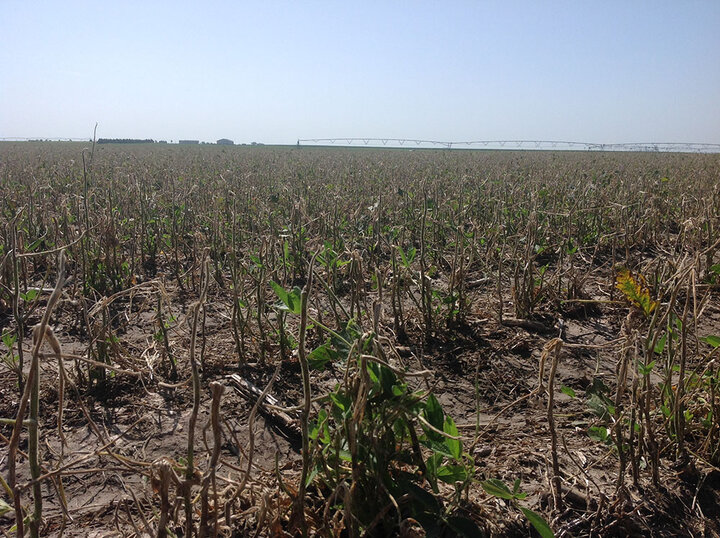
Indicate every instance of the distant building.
{"type": "Point", "coordinates": [188, 141]}
{"type": "Point", "coordinates": [225, 142]}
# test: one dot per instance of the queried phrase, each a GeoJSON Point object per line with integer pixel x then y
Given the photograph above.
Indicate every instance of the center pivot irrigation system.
{"type": "Point", "coordinates": [685, 147]}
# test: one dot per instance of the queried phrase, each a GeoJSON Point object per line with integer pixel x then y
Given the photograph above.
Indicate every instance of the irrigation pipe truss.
{"type": "Point", "coordinates": [517, 144]}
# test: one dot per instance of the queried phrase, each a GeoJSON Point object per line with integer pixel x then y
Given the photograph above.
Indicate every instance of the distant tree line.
{"type": "Point", "coordinates": [125, 141]}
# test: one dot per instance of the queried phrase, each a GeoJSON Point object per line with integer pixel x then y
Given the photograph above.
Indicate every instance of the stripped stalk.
{"type": "Point", "coordinates": [307, 396]}
{"type": "Point", "coordinates": [162, 328]}
{"type": "Point", "coordinates": [555, 346]}
{"type": "Point", "coordinates": [209, 478]}
{"type": "Point", "coordinates": [190, 470]}
{"type": "Point", "coordinates": [19, 321]}
{"type": "Point", "coordinates": [31, 395]}
{"type": "Point", "coordinates": [679, 409]}
{"type": "Point", "coordinates": [426, 296]}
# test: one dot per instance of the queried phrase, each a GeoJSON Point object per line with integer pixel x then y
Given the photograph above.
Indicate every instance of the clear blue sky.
{"type": "Point", "coordinates": [598, 71]}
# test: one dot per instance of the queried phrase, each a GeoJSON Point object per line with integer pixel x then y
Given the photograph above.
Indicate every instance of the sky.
{"type": "Point", "coordinates": [273, 72]}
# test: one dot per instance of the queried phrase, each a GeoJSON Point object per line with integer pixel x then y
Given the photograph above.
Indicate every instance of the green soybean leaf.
{"type": "Point", "coordinates": [567, 390]}
{"type": "Point", "coordinates": [29, 296]}
{"type": "Point", "coordinates": [4, 508]}
{"type": "Point", "coordinates": [452, 473]}
{"type": "Point", "coordinates": [290, 300]}
{"type": "Point", "coordinates": [454, 445]}
{"type": "Point", "coordinates": [402, 256]}
{"type": "Point", "coordinates": [598, 433]}
{"type": "Point", "coordinates": [714, 341]}
{"type": "Point", "coordinates": [599, 405]}
{"type": "Point", "coordinates": [320, 356]}
{"type": "Point", "coordinates": [315, 428]}
{"type": "Point", "coordinates": [660, 344]}
{"type": "Point", "coordinates": [286, 251]}
{"type": "Point", "coordinates": [434, 412]}
{"type": "Point", "coordinates": [341, 341]}
{"type": "Point", "coordinates": [311, 476]}
{"type": "Point", "coordinates": [342, 402]}
{"type": "Point", "coordinates": [432, 464]}
{"type": "Point", "coordinates": [538, 522]}
{"type": "Point", "coordinates": [497, 488]}
{"type": "Point", "coordinates": [439, 447]}
{"type": "Point", "coordinates": [645, 369]}
{"type": "Point", "coordinates": [9, 339]}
